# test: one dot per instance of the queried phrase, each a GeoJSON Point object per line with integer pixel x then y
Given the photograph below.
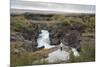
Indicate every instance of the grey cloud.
{"type": "Point", "coordinates": [53, 6]}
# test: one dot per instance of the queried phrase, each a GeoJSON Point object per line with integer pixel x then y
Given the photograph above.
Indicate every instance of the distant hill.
{"type": "Point", "coordinates": [23, 11]}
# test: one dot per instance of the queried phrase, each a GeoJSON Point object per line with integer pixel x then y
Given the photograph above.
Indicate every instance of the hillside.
{"type": "Point", "coordinates": [78, 31]}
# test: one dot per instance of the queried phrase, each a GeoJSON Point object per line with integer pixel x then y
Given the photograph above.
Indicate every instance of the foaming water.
{"type": "Point", "coordinates": [44, 40]}
{"type": "Point", "coordinates": [75, 52]}
{"type": "Point", "coordinates": [59, 55]}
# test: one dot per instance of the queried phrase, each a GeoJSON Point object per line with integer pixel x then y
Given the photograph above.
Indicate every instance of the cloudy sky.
{"type": "Point", "coordinates": [82, 6]}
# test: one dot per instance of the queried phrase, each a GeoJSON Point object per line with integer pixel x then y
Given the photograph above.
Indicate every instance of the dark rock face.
{"type": "Point", "coordinates": [68, 35]}
{"type": "Point", "coordinates": [72, 39]}
{"type": "Point", "coordinates": [55, 37]}
{"type": "Point", "coordinates": [28, 45]}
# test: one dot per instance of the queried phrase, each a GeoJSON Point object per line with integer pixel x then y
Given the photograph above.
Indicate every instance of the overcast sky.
{"type": "Point", "coordinates": [60, 5]}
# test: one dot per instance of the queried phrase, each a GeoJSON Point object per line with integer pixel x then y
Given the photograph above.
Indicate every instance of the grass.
{"type": "Point", "coordinates": [28, 58]}
{"type": "Point", "coordinates": [87, 54]}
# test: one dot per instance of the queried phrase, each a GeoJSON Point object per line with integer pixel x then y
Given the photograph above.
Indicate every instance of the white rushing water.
{"type": "Point", "coordinates": [59, 55]}
{"type": "Point", "coordinates": [75, 52]}
{"type": "Point", "coordinates": [43, 39]}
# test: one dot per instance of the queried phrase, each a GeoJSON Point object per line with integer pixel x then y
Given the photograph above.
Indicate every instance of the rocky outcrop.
{"type": "Point", "coordinates": [72, 39]}
{"type": "Point", "coordinates": [68, 35]}
{"type": "Point", "coordinates": [28, 45]}
{"type": "Point", "coordinates": [16, 36]}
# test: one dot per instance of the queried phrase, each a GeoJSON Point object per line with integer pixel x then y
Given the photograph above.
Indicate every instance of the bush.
{"type": "Point", "coordinates": [87, 54]}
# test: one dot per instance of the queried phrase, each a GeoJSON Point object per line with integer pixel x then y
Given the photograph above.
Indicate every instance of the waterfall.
{"type": "Point", "coordinates": [44, 40]}
{"type": "Point", "coordinates": [58, 55]}
{"type": "Point", "coordinates": [75, 52]}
